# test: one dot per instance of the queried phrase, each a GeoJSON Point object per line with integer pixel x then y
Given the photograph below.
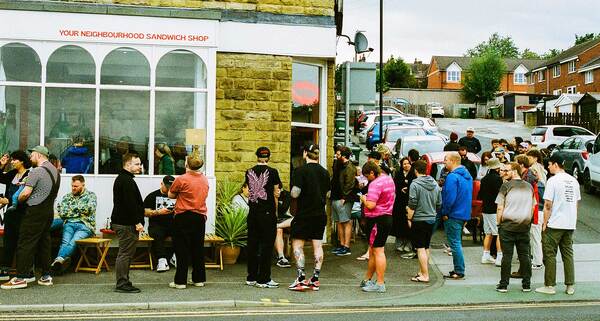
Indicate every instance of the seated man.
{"type": "Point", "coordinates": [159, 208]}
{"type": "Point", "coordinates": [78, 211]}
{"type": "Point", "coordinates": [284, 221]}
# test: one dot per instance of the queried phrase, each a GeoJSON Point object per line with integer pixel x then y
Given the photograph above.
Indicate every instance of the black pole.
{"type": "Point", "coordinates": [381, 70]}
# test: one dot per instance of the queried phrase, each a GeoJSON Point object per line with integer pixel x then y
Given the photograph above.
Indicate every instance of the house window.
{"type": "Point", "coordinates": [531, 79]}
{"type": "Point", "coordinates": [453, 76]}
{"type": "Point", "coordinates": [309, 101]}
{"type": "Point", "coordinates": [589, 77]}
{"type": "Point", "coordinates": [557, 92]}
{"type": "Point", "coordinates": [571, 66]}
{"type": "Point", "coordinates": [556, 71]}
{"type": "Point", "coordinates": [541, 76]}
{"type": "Point", "coordinates": [520, 78]}
{"type": "Point", "coordinates": [571, 89]}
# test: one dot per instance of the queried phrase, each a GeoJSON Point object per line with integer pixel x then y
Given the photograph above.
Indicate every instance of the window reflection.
{"type": "Point", "coordinates": [306, 88]}
{"type": "Point", "coordinates": [19, 118]}
{"type": "Point", "coordinates": [71, 64]}
{"type": "Point", "coordinates": [125, 66]}
{"type": "Point", "coordinates": [18, 62]}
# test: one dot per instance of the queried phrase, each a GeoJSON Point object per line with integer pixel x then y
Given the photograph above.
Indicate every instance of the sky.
{"type": "Point", "coordinates": [424, 28]}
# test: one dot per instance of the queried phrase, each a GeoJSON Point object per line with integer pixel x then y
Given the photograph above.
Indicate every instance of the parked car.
{"type": "Point", "coordinates": [424, 144]}
{"type": "Point", "coordinates": [574, 151]}
{"type": "Point", "coordinates": [591, 172]}
{"type": "Point", "coordinates": [393, 133]}
{"type": "Point", "coordinates": [435, 109]}
{"type": "Point", "coordinates": [374, 118]}
{"type": "Point", "coordinates": [549, 136]}
{"type": "Point", "coordinates": [435, 162]}
{"type": "Point", "coordinates": [428, 125]}
{"type": "Point", "coordinates": [373, 132]}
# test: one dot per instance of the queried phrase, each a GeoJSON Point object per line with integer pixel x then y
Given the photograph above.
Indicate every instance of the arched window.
{"type": "Point", "coordinates": [125, 66]}
{"type": "Point", "coordinates": [18, 62]}
{"type": "Point", "coordinates": [71, 64]}
{"type": "Point", "coordinates": [125, 111]}
{"type": "Point", "coordinates": [177, 109]}
{"type": "Point", "coordinates": [19, 104]}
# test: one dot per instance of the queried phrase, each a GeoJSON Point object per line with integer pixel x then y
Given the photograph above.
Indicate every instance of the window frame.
{"type": "Point", "coordinates": [556, 71]}
{"type": "Point", "coordinates": [571, 89]}
{"type": "Point", "coordinates": [541, 76]}
{"type": "Point", "coordinates": [571, 66]}
{"type": "Point", "coordinates": [321, 126]}
{"type": "Point", "coordinates": [153, 54]}
{"type": "Point", "coordinates": [453, 76]}
{"type": "Point", "coordinates": [590, 79]}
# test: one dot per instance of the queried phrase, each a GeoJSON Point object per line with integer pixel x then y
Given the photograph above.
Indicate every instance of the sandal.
{"type": "Point", "coordinates": [417, 278]}
{"type": "Point", "coordinates": [363, 257]}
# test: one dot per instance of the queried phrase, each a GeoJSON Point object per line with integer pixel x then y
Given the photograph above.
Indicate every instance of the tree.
{"type": "Point", "coordinates": [587, 37]}
{"type": "Point", "coordinates": [397, 74]}
{"type": "Point", "coordinates": [484, 77]}
{"type": "Point", "coordinates": [551, 54]}
{"type": "Point", "coordinates": [386, 85]}
{"type": "Point", "coordinates": [338, 79]}
{"type": "Point", "coordinates": [528, 54]}
{"type": "Point", "coordinates": [503, 46]}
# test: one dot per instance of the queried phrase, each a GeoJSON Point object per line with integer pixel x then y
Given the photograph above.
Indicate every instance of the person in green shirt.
{"type": "Point", "coordinates": [166, 163]}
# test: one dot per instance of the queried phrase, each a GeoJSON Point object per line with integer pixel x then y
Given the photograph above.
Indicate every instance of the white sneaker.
{"type": "Point", "coordinates": [177, 286]}
{"type": "Point", "coordinates": [498, 261]}
{"type": "Point", "coordinates": [546, 290]}
{"type": "Point", "coordinates": [198, 284]}
{"type": "Point", "coordinates": [570, 290]}
{"type": "Point", "coordinates": [487, 260]}
{"type": "Point", "coordinates": [466, 231]}
{"type": "Point", "coordinates": [173, 260]}
{"type": "Point", "coordinates": [536, 267]}
{"type": "Point", "coordinates": [162, 265]}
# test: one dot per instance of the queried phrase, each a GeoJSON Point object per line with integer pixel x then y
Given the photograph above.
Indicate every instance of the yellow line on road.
{"type": "Point", "coordinates": [224, 313]}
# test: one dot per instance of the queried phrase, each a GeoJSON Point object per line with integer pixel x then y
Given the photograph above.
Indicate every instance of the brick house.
{"type": "Point", "coordinates": [419, 70]}
{"type": "Point", "coordinates": [136, 74]}
{"type": "Point", "coordinates": [448, 72]}
{"type": "Point", "coordinates": [575, 70]}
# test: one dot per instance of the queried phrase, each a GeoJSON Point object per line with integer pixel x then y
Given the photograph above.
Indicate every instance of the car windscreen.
{"type": "Point", "coordinates": [539, 131]}
{"type": "Point", "coordinates": [423, 146]}
{"type": "Point", "coordinates": [393, 135]}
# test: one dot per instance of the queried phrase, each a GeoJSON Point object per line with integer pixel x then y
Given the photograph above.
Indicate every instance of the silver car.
{"type": "Point", "coordinates": [575, 152]}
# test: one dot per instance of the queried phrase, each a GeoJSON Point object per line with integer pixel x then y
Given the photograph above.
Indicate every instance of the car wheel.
{"type": "Point", "coordinates": [587, 183]}
{"type": "Point", "coordinates": [576, 174]}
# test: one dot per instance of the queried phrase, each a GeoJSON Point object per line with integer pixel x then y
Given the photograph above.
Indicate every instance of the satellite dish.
{"type": "Point", "coordinates": [361, 44]}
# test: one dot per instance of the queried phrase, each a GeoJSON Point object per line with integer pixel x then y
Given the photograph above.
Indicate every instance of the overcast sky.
{"type": "Point", "coordinates": [424, 28]}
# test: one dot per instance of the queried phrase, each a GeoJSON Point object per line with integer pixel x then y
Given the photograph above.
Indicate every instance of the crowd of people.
{"type": "Point", "coordinates": [528, 203]}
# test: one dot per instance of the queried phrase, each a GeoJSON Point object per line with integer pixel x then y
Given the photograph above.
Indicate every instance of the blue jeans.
{"type": "Point", "coordinates": [72, 231]}
{"type": "Point", "coordinates": [57, 224]}
{"type": "Point", "coordinates": [453, 229]}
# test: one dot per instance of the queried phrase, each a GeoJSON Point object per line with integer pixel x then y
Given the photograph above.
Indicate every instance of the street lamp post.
{"type": "Point", "coordinates": [381, 70]}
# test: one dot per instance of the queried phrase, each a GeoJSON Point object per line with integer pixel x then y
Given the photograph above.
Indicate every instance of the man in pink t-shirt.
{"type": "Point", "coordinates": [378, 204]}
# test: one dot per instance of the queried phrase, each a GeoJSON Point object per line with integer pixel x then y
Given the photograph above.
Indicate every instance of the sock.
{"type": "Point", "coordinates": [315, 276]}
{"type": "Point", "coordinates": [486, 254]}
{"type": "Point", "coordinates": [301, 274]}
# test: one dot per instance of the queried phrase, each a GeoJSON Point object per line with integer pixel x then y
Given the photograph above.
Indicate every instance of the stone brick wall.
{"type": "Point", "coordinates": [253, 109]}
{"type": "Point", "coordinates": [300, 7]}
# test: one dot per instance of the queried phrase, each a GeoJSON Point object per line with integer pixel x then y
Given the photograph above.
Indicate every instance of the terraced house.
{"type": "Point", "coordinates": [123, 75]}
{"type": "Point", "coordinates": [448, 72]}
{"type": "Point", "coordinates": [575, 70]}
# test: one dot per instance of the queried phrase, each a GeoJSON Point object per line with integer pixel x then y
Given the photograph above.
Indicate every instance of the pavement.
{"type": "Point", "coordinates": [340, 277]}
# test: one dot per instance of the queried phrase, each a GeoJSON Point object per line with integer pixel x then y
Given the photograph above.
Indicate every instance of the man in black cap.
{"type": "Point", "coordinates": [34, 242]}
{"type": "Point", "coordinates": [264, 185]}
{"type": "Point", "coordinates": [310, 185]}
{"type": "Point", "coordinates": [159, 208]}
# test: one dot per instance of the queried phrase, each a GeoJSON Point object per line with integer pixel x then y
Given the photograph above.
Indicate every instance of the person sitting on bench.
{"type": "Point", "coordinates": [78, 211]}
{"type": "Point", "coordinates": [159, 208]}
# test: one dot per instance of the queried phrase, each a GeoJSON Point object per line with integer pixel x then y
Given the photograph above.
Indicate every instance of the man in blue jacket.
{"type": "Point", "coordinates": [457, 194]}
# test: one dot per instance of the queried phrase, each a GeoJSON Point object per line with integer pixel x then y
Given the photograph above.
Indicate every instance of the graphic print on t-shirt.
{"type": "Point", "coordinates": [257, 185]}
{"type": "Point", "coordinates": [165, 202]}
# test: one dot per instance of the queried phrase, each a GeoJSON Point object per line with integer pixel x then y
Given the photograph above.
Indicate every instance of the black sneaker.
{"type": "Point", "coordinates": [344, 252]}
{"type": "Point", "coordinates": [283, 263]}
{"type": "Point", "coordinates": [501, 288]}
{"type": "Point", "coordinates": [56, 266]}
{"type": "Point", "coordinates": [526, 288]}
{"type": "Point", "coordinates": [127, 289]}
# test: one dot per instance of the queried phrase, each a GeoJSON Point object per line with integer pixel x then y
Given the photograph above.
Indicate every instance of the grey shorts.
{"type": "Point", "coordinates": [341, 213]}
{"type": "Point", "coordinates": [490, 224]}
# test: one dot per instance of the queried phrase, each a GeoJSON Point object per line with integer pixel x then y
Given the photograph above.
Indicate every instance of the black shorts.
{"type": "Point", "coordinates": [378, 229]}
{"type": "Point", "coordinates": [420, 233]}
{"type": "Point", "coordinates": [308, 227]}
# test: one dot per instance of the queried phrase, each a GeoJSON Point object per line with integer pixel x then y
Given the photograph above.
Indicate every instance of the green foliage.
{"type": "Point", "coordinates": [503, 46]}
{"type": "Point", "coordinates": [231, 224]}
{"type": "Point", "coordinates": [483, 79]}
{"type": "Point", "coordinates": [587, 37]}
{"type": "Point", "coordinates": [226, 190]}
{"type": "Point", "coordinates": [528, 54]}
{"type": "Point", "coordinates": [396, 74]}
{"type": "Point", "coordinates": [386, 85]}
{"type": "Point", "coordinates": [338, 79]}
{"type": "Point", "coordinates": [551, 54]}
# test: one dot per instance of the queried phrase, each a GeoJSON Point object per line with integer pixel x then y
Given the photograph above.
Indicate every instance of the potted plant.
{"type": "Point", "coordinates": [231, 225]}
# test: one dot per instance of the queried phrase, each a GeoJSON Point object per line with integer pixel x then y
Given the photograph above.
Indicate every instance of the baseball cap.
{"type": "Point", "coordinates": [470, 129]}
{"type": "Point", "coordinates": [524, 145]}
{"type": "Point", "coordinates": [40, 149]}
{"type": "Point", "coordinates": [168, 180]}
{"type": "Point", "coordinates": [493, 163]}
{"type": "Point", "coordinates": [556, 159]}
{"type": "Point", "coordinates": [263, 152]}
{"type": "Point", "coordinates": [499, 150]}
{"type": "Point", "coordinates": [312, 148]}
{"type": "Point", "coordinates": [383, 149]}
{"type": "Point", "coordinates": [375, 155]}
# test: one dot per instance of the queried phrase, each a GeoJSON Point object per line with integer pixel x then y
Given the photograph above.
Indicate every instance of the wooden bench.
{"type": "Point", "coordinates": [214, 243]}
{"type": "Point", "coordinates": [101, 245]}
{"type": "Point", "coordinates": [142, 260]}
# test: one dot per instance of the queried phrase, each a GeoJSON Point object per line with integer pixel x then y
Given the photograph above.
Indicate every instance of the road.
{"type": "Point", "coordinates": [535, 311]}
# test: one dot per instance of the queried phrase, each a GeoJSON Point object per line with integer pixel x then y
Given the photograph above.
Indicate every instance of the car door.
{"type": "Point", "coordinates": [594, 162]}
{"type": "Point", "coordinates": [572, 152]}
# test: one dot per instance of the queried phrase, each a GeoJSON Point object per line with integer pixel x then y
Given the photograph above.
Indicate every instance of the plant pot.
{"type": "Point", "coordinates": [230, 254]}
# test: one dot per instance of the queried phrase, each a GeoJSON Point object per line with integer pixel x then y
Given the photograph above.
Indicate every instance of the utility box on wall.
{"type": "Point", "coordinates": [358, 83]}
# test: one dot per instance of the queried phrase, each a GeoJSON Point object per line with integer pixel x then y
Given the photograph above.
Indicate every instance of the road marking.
{"type": "Point", "coordinates": [225, 313]}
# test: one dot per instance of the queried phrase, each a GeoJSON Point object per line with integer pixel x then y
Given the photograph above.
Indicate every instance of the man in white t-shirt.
{"type": "Point", "coordinates": [561, 198]}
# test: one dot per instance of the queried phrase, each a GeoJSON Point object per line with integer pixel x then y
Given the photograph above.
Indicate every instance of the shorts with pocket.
{"type": "Point", "coordinates": [421, 232]}
{"type": "Point", "coordinates": [378, 229]}
{"type": "Point", "coordinates": [341, 212]}
{"type": "Point", "coordinates": [490, 224]}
